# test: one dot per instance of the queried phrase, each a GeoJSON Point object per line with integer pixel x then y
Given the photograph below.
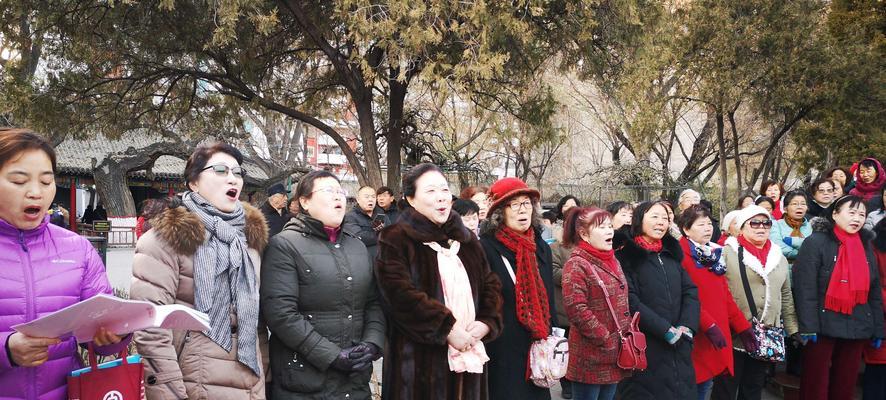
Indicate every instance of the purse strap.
{"type": "Point", "coordinates": [606, 296]}
{"type": "Point", "coordinates": [744, 281]}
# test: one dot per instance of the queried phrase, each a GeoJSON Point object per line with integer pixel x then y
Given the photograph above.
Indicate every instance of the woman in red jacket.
{"type": "Point", "coordinates": [591, 275]}
{"type": "Point", "coordinates": [712, 351]}
{"type": "Point", "coordinates": [874, 380]}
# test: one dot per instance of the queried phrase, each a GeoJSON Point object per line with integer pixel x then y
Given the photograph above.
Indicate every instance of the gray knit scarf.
{"type": "Point", "coordinates": [220, 264]}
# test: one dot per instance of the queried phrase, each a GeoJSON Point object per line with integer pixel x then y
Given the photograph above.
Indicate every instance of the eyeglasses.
{"type": "Point", "coordinates": [826, 190]}
{"type": "Point", "coordinates": [517, 206]}
{"type": "Point", "coordinates": [332, 190]}
{"type": "Point", "coordinates": [760, 223]}
{"type": "Point", "coordinates": [222, 170]}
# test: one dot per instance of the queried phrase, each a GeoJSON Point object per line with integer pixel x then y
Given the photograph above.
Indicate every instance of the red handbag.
{"type": "Point", "coordinates": [632, 349]}
{"type": "Point", "coordinates": [121, 382]}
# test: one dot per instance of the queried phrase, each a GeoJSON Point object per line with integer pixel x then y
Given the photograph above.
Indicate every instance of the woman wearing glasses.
{"type": "Point", "coordinates": [822, 192]}
{"type": "Point", "coordinates": [790, 231]}
{"type": "Point", "coordinates": [521, 258]}
{"type": "Point", "coordinates": [320, 301]}
{"type": "Point", "coordinates": [204, 252]}
{"type": "Point", "coordinates": [753, 255]}
{"type": "Point", "coordinates": [443, 302]}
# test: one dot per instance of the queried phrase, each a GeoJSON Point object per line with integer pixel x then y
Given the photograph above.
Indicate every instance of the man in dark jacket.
{"type": "Point", "coordinates": [273, 209]}
{"type": "Point", "coordinates": [364, 222]}
{"type": "Point", "coordinates": [387, 203]}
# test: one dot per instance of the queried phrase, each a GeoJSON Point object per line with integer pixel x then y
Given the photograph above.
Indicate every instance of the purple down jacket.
{"type": "Point", "coordinates": [41, 271]}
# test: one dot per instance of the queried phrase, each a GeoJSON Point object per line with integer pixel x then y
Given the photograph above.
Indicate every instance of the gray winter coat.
{"type": "Point", "coordinates": [318, 298]}
{"type": "Point", "coordinates": [812, 275]}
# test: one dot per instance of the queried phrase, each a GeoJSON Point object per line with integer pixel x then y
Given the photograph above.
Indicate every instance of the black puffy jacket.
{"type": "Point", "coordinates": [318, 297]}
{"type": "Point", "coordinates": [664, 295]}
{"type": "Point", "coordinates": [812, 274]}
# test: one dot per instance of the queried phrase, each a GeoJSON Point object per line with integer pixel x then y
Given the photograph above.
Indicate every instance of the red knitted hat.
{"type": "Point", "coordinates": [506, 188]}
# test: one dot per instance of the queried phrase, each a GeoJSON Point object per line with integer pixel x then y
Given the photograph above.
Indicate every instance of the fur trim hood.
{"type": "Point", "coordinates": [184, 232]}
{"type": "Point", "coordinates": [632, 254]}
{"type": "Point", "coordinates": [825, 226]}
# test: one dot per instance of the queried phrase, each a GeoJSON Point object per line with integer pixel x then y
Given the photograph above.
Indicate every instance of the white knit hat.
{"type": "Point", "coordinates": [728, 219]}
{"type": "Point", "coordinates": [749, 212]}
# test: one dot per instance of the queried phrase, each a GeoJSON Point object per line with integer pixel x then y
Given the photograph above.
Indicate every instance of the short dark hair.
{"type": "Point", "coordinates": [562, 202]}
{"type": "Point", "coordinates": [413, 174]}
{"type": "Point", "coordinates": [640, 211]}
{"type": "Point", "coordinates": [305, 187]}
{"type": "Point", "coordinates": [764, 199]}
{"type": "Point", "coordinates": [201, 155]}
{"type": "Point", "coordinates": [616, 206]}
{"type": "Point", "coordinates": [769, 182]}
{"type": "Point", "coordinates": [14, 141]}
{"type": "Point", "coordinates": [813, 188]}
{"type": "Point", "coordinates": [850, 199]}
{"type": "Point", "coordinates": [741, 199]}
{"type": "Point", "coordinates": [465, 207]}
{"type": "Point", "coordinates": [383, 190]}
{"type": "Point", "coordinates": [794, 193]}
{"type": "Point", "coordinates": [692, 214]}
{"type": "Point", "coordinates": [870, 163]}
{"type": "Point", "coordinates": [549, 215]}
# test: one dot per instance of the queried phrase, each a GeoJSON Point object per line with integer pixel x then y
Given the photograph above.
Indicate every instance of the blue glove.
{"type": "Point", "coordinates": [809, 337]}
{"type": "Point", "coordinates": [786, 240]}
{"type": "Point", "coordinates": [876, 343]}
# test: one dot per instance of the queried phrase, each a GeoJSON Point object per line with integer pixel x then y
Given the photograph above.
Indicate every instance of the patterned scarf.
{"type": "Point", "coordinates": [533, 309]}
{"type": "Point", "coordinates": [795, 225]}
{"type": "Point", "coordinates": [707, 256]}
{"type": "Point", "coordinates": [851, 277]}
{"type": "Point", "coordinates": [654, 246]}
{"type": "Point", "coordinates": [224, 278]}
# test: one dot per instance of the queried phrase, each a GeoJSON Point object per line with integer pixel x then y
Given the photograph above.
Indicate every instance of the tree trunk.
{"type": "Point", "coordinates": [740, 185]}
{"type": "Point", "coordinates": [366, 119]}
{"type": "Point", "coordinates": [113, 188]}
{"type": "Point", "coordinates": [395, 130]}
{"type": "Point", "coordinates": [721, 153]}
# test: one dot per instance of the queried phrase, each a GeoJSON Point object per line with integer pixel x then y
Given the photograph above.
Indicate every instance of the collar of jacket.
{"type": "Point", "coordinates": [823, 225]}
{"type": "Point", "coordinates": [310, 226]}
{"type": "Point", "coordinates": [184, 232]}
{"type": "Point", "coordinates": [420, 228]}
{"type": "Point", "coordinates": [631, 255]}
{"type": "Point", "coordinates": [7, 229]}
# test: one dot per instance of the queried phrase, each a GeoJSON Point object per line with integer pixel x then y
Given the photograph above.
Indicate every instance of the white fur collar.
{"type": "Point", "coordinates": [772, 261]}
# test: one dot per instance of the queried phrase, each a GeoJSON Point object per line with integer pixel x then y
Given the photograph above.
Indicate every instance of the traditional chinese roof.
{"type": "Point", "coordinates": [75, 157]}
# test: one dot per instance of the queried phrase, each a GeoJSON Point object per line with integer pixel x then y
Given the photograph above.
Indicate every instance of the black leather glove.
{"type": "Point", "coordinates": [344, 362]}
{"type": "Point", "coordinates": [364, 354]}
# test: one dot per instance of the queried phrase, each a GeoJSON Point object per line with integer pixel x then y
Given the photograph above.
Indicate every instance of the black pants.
{"type": "Point", "coordinates": [874, 382]}
{"type": "Point", "coordinates": [748, 382]}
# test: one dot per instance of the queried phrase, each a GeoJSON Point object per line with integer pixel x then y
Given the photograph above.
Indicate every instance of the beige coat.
{"type": "Point", "coordinates": [187, 364]}
{"type": "Point", "coordinates": [771, 284]}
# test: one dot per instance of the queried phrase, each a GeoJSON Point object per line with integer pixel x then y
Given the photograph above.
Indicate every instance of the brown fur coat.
{"type": "Point", "coordinates": [415, 361]}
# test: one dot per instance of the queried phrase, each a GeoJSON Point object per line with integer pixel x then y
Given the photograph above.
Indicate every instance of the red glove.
{"type": "Point", "coordinates": [749, 340]}
{"type": "Point", "coordinates": [715, 335]}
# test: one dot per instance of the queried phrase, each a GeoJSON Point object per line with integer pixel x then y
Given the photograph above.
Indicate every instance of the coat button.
{"type": "Point", "coordinates": [337, 245]}
{"type": "Point", "coordinates": [627, 313]}
{"type": "Point", "coordinates": [350, 316]}
{"type": "Point", "coordinates": [350, 278]}
{"type": "Point", "coordinates": [310, 316]}
{"type": "Point", "coordinates": [621, 287]}
{"type": "Point", "coordinates": [152, 380]}
{"type": "Point", "coordinates": [307, 270]}
{"type": "Point", "coordinates": [347, 395]}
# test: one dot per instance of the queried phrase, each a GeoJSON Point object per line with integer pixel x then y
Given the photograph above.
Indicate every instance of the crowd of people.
{"type": "Point", "coordinates": [453, 291]}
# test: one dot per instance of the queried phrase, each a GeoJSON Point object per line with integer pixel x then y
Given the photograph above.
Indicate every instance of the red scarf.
{"type": "Point", "coordinates": [761, 254]}
{"type": "Point", "coordinates": [851, 277]}
{"type": "Point", "coordinates": [608, 256]}
{"type": "Point", "coordinates": [533, 310]}
{"type": "Point", "coordinates": [653, 246]}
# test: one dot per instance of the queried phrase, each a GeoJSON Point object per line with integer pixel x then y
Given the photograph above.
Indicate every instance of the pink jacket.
{"type": "Point", "coordinates": [43, 270]}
